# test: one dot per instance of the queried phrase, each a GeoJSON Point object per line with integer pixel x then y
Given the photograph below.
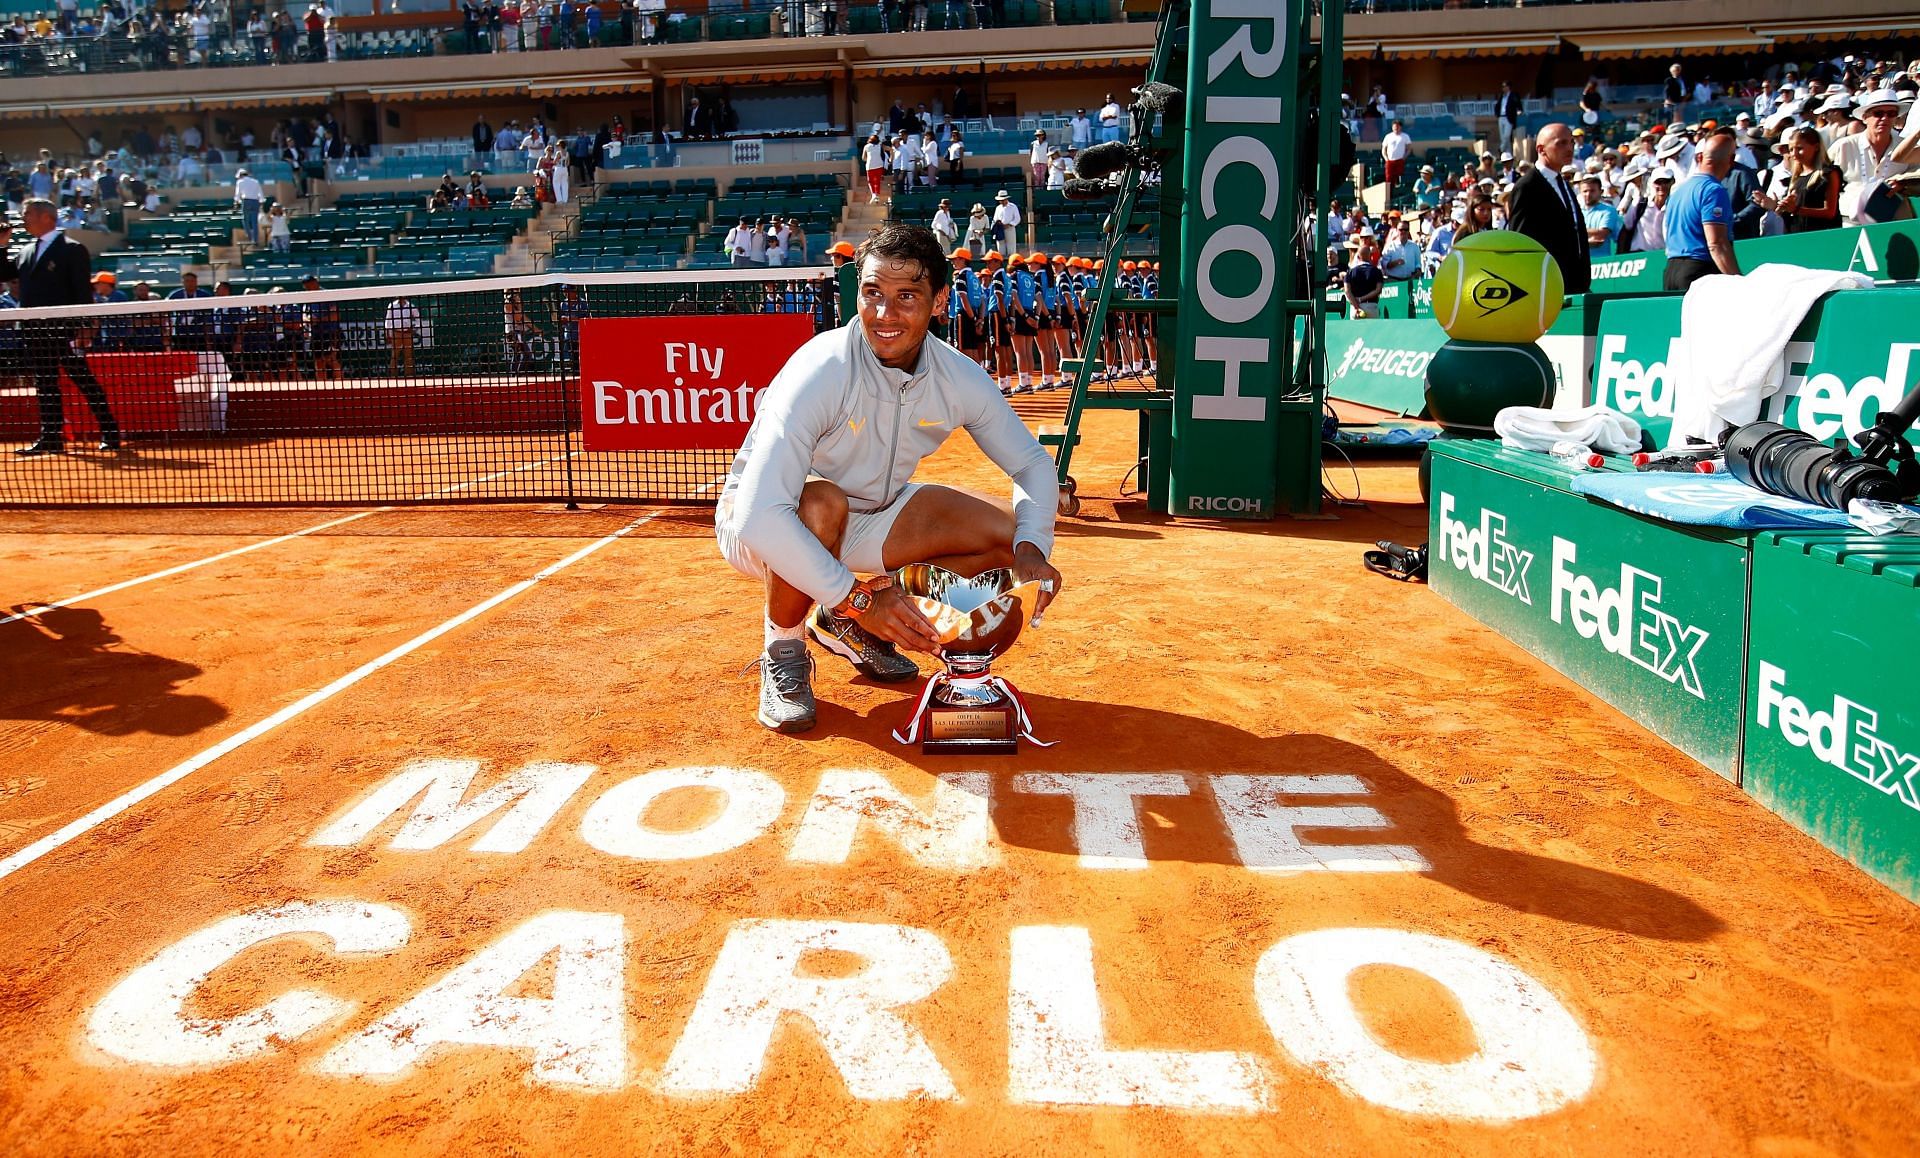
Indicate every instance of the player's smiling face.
{"type": "Point", "coordinates": [896, 305]}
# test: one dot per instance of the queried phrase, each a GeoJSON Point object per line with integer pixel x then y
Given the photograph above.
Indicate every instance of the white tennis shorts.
{"type": "Point", "coordinates": [861, 546]}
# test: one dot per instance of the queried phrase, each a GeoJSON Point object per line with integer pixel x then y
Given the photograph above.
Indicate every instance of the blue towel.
{"type": "Point", "coordinates": [1705, 500]}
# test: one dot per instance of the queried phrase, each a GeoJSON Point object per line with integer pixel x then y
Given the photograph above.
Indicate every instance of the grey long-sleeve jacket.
{"type": "Point", "coordinates": [835, 412]}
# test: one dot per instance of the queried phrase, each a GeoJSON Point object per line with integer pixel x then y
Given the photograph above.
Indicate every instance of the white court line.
{"type": "Point", "coordinates": [30, 612]}
{"type": "Point", "coordinates": [42, 608]}
{"type": "Point", "coordinates": [186, 768]}
{"type": "Point", "coordinates": [474, 482]}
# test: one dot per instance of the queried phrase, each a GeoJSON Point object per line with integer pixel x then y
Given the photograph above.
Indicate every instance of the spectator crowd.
{"type": "Point", "coordinates": [1021, 316]}
{"type": "Point", "coordinates": [1790, 152]}
{"type": "Point", "coordinates": [118, 34]}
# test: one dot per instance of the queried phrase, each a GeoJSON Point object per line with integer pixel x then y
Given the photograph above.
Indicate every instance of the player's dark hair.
{"type": "Point", "coordinates": [916, 243]}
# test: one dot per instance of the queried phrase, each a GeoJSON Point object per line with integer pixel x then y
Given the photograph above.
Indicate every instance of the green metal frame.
{"type": "Point", "coordinates": [1301, 403]}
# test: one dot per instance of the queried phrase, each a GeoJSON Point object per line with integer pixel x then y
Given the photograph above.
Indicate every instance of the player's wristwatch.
{"type": "Point", "coordinates": [860, 598]}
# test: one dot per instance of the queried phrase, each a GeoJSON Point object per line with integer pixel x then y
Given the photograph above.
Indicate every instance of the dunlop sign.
{"type": "Point", "coordinates": [1235, 264]}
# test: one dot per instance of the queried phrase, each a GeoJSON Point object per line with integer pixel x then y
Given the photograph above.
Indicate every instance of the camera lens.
{"type": "Point", "coordinates": [1858, 478]}
{"type": "Point", "coordinates": [1775, 459]}
{"type": "Point", "coordinates": [1792, 463]}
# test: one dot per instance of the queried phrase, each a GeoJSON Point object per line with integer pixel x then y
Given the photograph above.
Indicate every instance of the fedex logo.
{"type": "Point", "coordinates": [1629, 385]}
{"type": "Point", "coordinates": [1646, 389]}
{"type": "Point", "coordinates": [1844, 736]}
{"type": "Point", "coordinates": [1627, 619]}
{"type": "Point", "coordinates": [1484, 552]}
{"type": "Point", "coordinates": [1830, 406]}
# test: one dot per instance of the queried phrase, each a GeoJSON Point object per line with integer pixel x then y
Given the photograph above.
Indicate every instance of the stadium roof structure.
{"type": "Point", "coordinates": [1678, 28]}
{"type": "Point", "coordinates": [592, 72]}
{"type": "Point", "coordinates": [1669, 42]}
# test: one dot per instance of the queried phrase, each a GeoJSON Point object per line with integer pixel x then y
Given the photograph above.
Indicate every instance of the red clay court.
{"type": "Point", "coordinates": [432, 828]}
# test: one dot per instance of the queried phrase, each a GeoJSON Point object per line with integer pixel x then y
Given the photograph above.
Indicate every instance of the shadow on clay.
{"type": "Point", "coordinates": [1360, 525]}
{"type": "Point", "coordinates": [1117, 739]}
{"type": "Point", "coordinates": [67, 666]}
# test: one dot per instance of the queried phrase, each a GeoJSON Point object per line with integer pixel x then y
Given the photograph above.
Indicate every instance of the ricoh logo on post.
{"type": "Point", "coordinates": [1234, 504]}
{"type": "Point", "coordinates": [1233, 332]}
{"type": "Point", "coordinates": [1484, 552]}
{"type": "Point", "coordinates": [1626, 618]}
{"type": "Point", "coordinates": [1845, 736]}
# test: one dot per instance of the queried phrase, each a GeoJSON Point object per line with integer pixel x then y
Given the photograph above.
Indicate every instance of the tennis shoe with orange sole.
{"type": "Point", "coordinates": [874, 657]}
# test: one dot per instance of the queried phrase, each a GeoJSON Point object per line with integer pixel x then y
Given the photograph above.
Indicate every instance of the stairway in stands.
{"type": "Point", "coordinates": [529, 251]}
{"type": "Point", "coordinates": [860, 218]}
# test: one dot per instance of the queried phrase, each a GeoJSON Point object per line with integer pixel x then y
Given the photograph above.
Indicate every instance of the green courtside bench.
{"type": "Point", "coordinates": [1832, 729]}
{"type": "Point", "coordinates": [1788, 662]}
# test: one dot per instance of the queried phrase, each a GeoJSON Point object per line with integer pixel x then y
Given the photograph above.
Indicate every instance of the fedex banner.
{"type": "Point", "coordinates": [680, 383]}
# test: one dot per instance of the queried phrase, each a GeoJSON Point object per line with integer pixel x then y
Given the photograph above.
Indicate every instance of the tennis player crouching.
{"type": "Point", "coordinates": [822, 491]}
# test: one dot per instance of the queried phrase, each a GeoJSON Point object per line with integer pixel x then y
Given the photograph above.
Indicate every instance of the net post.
{"type": "Point", "coordinates": [567, 447]}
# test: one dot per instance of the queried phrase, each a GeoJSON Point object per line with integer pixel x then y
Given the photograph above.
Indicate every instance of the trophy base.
{"type": "Point", "coordinates": [964, 711]}
{"type": "Point", "coordinates": [971, 731]}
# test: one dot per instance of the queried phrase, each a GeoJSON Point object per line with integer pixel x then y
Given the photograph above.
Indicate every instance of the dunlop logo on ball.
{"type": "Point", "coordinates": [1496, 293]}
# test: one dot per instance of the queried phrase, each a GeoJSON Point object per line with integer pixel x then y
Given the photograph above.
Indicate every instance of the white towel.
{"type": "Point", "coordinates": [1600, 428]}
{"type": "Point", "coordinates": [1733, 342]}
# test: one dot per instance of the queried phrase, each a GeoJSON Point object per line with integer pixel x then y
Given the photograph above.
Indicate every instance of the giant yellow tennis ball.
{"type": "Point", "coordinates": [1497, 286]}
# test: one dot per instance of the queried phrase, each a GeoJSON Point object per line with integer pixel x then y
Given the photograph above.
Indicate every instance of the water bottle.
{"type": "Point", "coordinates": [1575, 456]}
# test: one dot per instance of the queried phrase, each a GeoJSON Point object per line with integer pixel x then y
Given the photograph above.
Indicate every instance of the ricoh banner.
{"type": "Point", "coordinates": [1235, 263]}
{"type": "Point", "coordinates": [680, 383]}
{"type": "Point", "coordinates": [1854, 356]}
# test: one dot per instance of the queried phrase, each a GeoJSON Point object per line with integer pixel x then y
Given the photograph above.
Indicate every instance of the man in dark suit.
{"type": "Point", "coordinates": [1508, 108]}
{"type": "Point", "coordinates": [1544, 208]}
{"type": "Point", "coordinates": [1742, 184]}
{"type": "Point", "coordinates": [54, 271]}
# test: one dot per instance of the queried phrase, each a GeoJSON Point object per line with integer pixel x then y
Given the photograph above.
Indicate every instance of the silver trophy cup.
{"type": "Point", "coordinates": [965, 708]}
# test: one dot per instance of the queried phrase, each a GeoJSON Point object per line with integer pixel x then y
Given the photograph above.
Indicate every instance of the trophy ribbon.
{"type": "Point", "coordinates": [969, 683]}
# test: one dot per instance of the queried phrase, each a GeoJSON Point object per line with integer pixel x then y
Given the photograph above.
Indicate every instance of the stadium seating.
{"type": "Point", "coordinates": [815, 200]}
{"type": "Point", "coordinates": [657, 223]}
{"type": "Point", "coordinates": [637, 224]}
{"type": "Point", "coordinates": [158, 248]}
{"type": "Point", "coordinates": [980, 184]}
{"type": "Point", "coordinates": [1077, 227]}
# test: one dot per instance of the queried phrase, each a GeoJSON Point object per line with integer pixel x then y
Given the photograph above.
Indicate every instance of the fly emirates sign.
{"type": "Point", "coordinates": [680, 383]}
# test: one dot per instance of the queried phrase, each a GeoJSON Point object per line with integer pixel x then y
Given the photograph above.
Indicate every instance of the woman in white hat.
{"type": "Point", "coordinates": [1675, 150]}
{"type": "Point", "coordinates": [944, 227]}
{"type": "Point", "coordinates": [1037, 157]}
{"type": "Point", "coordinates": [978, 225]}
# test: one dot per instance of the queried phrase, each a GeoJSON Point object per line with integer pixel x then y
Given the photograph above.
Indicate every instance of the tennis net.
{"type": "Point", "coordinates": [438, 393]}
